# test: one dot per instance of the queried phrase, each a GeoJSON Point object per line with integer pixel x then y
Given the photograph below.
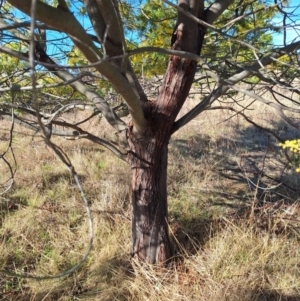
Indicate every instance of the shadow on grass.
{"type": "Point", "coordinates": [266, 295]}
{"type": "Point", "coordinates": [51, 178]}
{"type": "Point", "coordinates": [249, 161]}
{"type": "Point", "coordinates": [109, 274]}
{"type": "Point", "coordinates": [190, 234]}
{"type": "Point", "coordinates": [248, 174]}
{"type": "Point", "coordinates": [251, 156]}
{"type": "Point", "coordinates": [18, 201]}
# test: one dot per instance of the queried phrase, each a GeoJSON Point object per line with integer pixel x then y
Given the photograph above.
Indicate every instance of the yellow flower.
{"type": "Point", "coordinates": [294, 147]}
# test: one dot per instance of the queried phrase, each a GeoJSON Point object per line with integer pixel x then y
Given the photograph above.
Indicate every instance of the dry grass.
{"type": "Point", "coordinates": [234, 239]}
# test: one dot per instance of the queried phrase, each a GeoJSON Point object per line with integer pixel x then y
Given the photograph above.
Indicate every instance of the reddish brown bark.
{"type": "Point", "coordinates": [149, 155]}
{"type": "Point", "coordinates": [149, 200]}
{"type": "Point", "coordinates": [148, 159]}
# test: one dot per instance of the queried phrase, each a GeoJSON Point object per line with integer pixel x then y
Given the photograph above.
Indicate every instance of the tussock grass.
{"type": "Point", "coordinates": [234, 239]}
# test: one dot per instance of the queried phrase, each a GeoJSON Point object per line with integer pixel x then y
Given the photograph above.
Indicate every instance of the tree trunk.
{"type": "Point", "coordinates": [149, 154]}
{"type": "Point", "coordinates": [150, 236]}
{"type": "Point", "coordinates": [149, 158]}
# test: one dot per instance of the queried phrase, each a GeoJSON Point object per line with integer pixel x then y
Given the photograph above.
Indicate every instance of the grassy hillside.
{"type": "Point", "coordinates": [234, 218]}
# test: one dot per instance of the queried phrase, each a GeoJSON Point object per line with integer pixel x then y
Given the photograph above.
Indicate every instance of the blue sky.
{"type": "Point", "coordinates": [293, 30]}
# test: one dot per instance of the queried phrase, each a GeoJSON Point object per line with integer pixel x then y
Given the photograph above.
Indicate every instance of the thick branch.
{"type": "Point", "coordinates": [96, 18]}
{"type": "Point", "coordinates": [52, 17]}
{"type": "Point", "coordinates": [216, 9]}
{"type": "Point", "coordinates": [113, 39]}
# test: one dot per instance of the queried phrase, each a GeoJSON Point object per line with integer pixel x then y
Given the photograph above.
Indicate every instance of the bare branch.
{"type": "Point", "coordinates": [76, 134]}
{"type": "Point", "coordinates": [226, 84]}
{"type": "Point", "coordinates": [9, 182]}
{"type": "Point", "coordinates": [247, 119]}
{"type": "Point", "coordinates": [214, 11]}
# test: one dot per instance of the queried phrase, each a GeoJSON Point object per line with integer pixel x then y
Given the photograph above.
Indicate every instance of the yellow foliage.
{"type": "Point", "coordinates": [294, 147]}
